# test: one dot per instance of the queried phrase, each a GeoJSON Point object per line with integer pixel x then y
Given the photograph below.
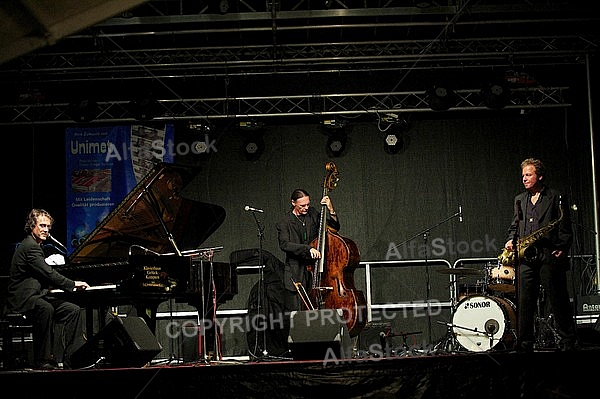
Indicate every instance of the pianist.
{"type": "Point", "coordinates": [30, 279]}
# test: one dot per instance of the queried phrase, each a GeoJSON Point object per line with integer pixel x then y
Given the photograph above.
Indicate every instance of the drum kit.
{"type": "Point", "coordinates": [484, 312]}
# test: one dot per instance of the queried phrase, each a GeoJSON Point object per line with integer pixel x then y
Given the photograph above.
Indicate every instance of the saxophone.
{"type": "Point", "coordinates": [526, 245]}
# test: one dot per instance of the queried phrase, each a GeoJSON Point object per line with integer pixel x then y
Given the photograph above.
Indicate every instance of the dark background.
{"type": "Point", "coordinates": [468, 155]}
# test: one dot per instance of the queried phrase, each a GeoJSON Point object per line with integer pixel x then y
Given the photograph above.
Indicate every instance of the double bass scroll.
{"type": "Point", "coordinates": [333, 274]}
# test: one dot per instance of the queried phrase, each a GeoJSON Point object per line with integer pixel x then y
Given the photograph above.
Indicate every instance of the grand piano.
{"type": "Point", "coordinates": [147, 251]}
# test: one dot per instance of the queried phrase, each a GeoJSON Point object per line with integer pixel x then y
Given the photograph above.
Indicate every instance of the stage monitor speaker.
{"type": "Point", "coordinates": [124, 342]}
{"type": "Point", "coordinates": [319, 335]}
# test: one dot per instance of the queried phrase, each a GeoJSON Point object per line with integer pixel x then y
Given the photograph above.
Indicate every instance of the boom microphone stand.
{"type": "Point", "coordinates": [425, 234]}
{"type": "Point", "coordinates": [261, 282]}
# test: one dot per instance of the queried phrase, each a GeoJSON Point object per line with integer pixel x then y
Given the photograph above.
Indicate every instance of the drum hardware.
{"type": "Point", "coordinates": [545, 333]}
{"type": "Point", "coordinates": [406, 350]}
{"type": "Point", "coordinates": [460, 271]}
{"type": "Point", "coordinates": [491, 325]}
{"type": "Point", "coordinates": [467, 289]}
{"type": "Point", "coordinates": [448, 342]}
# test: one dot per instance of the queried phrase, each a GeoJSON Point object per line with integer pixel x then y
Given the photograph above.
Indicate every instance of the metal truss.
{"type": "Point", "coordinates": [524, 99]}
{"type": "Point", "coordinates": [203, 64]}
{"type": "Point", "coordinates": [350, 55]}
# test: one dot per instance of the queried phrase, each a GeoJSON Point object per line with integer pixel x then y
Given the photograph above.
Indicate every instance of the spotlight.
{"type": "Point", "coordinates": [253, 146]}
{"type": "Point", "coordinates": [495, 95]}
{"type": "Point", "coordinates": [224, 6]}
{"type": "Point", "coordinates": [144, 109]}
{"type": "Point", "coordinates": [83, 111]}
{"type": "Point", "coordinates": [336, 143]}
{"type": "Point", "coordinates": [394, 138]}
{"type": "Point", "coordinates": [200, 147]}
{"type": "Point", "coordinates": [200, 134]}
{"type": "Point", "coordinates": [440, 98]}
{"type": "Point", "coordinates": [334, 123]}
{"type": "Point", "coordinates": [199, 137]}
{"type": "Point", "coordinates": [250, 125]}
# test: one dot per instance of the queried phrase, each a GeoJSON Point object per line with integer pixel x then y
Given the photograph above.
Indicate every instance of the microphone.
{"type": "Point", "coordinates": [56, 241]}
{"type": "Point", "coordinates": [491, 326]}
{"type": "Point", "coordinates": [519, 210]}
{"type": "Point", "coordinates": [250, 209]}
{"type": "Point", "coordinates": [146, 250]}
{"type": "Point", "coordinates": [460, 219]}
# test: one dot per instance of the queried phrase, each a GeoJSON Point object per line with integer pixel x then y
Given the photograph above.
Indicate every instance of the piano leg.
{"type": "Point", "coordinates": [93, 314]}
{"type": "Point", "coordinates": [147, 311]}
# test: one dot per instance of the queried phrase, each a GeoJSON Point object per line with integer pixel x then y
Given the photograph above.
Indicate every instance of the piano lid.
{"type": "Point", "coordinates": [155, 216]}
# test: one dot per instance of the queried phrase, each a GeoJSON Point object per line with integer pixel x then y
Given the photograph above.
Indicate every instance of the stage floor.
{"type": "Point", "coordinates": [490, 374]}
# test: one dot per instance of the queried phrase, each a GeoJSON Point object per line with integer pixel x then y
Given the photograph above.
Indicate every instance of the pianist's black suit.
{"type": "Point", "coordinates": [30, 279]}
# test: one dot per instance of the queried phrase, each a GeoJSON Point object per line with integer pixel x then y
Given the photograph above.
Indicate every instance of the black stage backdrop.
{"type": "Point", "coordinates": [391, 205]}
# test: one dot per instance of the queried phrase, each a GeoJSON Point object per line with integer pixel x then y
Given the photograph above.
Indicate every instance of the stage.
{"type": "Point", "coordinates": [542, 374]}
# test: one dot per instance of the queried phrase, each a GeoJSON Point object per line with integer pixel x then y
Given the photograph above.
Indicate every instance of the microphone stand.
{"type": "Point", "coordinates": [261, 282]}
{"type": "Point", "coordinates": [425, 235]}
{"type": "Point", "coordinates": [516, 260]}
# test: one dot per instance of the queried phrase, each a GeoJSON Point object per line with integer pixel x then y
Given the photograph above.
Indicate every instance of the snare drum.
{"type": "Point", "coordinates": [502, 278]}
{"type": "Point", "coordinates": [465, 290]}
{"type": "Point", "coordinates": [481, 322]}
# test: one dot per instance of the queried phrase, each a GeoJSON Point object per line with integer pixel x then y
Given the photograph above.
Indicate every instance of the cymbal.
{"type": "Point", "coordinates": [460, 271]}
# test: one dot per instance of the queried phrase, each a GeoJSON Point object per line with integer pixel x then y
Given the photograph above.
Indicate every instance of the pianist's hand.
{"type": "Point", "coordinates": [81, 285]}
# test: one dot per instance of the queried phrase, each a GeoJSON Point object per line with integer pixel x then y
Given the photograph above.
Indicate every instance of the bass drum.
{"type": "Point", "coordinates": [481, 322]}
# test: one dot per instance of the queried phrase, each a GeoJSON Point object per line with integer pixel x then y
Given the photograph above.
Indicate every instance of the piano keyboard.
{"type": "Point", "coordinates": [92, 288]}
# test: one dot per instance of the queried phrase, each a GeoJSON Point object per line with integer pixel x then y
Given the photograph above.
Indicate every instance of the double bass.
{"type": "Point", "coordinates": [333, 273]}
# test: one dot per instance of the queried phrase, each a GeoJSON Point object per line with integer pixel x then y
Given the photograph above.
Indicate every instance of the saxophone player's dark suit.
{"type": "Point", "coordinates": [540, 267]}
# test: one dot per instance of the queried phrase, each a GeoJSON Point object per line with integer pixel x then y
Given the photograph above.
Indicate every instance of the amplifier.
{"type": "Point", "coordinates": [588, 304]}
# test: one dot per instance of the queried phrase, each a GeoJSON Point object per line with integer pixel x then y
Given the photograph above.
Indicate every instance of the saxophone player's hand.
{"type": "Point", "coordinates": [509, 246]}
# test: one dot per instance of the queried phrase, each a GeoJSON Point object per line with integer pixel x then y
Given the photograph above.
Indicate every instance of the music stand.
{"type": "Point", "coordinates": [198, 276]}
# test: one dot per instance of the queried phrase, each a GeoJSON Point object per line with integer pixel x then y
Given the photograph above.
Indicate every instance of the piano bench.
{"type": "Point", "coordinates": [17, 341]}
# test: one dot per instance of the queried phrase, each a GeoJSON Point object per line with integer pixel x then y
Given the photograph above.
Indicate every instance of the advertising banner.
{"type": "Point", "coordinates": [103, 165]}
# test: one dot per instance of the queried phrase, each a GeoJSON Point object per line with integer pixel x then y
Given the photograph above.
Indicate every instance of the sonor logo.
{"type": "Point", "coordinates": [477, 305]}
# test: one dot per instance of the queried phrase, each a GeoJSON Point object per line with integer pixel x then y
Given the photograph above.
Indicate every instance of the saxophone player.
{"type": "Point", "coordinates": [541, 218]}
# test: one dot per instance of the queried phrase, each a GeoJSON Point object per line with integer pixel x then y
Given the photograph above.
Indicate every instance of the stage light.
{"type": "Point", "coordinates": [440, 98]}
{"type": "Point", "coordinates": [336, 136]}
{"type": "Point", "coordinates": [395, 137]}
{"type": "Point", "coordinates": [145, 109]}
{"type": "Point", "coordinates": [253, 146]}
{"type": "Point", "coordinates": [83, 111]}
{"type": "Point", "coordinates": [336, 143]}
{"type": "Point", "coordinates": [199, 133]}
{"type": "Point", "coordinates": [495, 95]}
{"type": "Point", "coordinates": [250, 125]}
{"type": "Point", "coordinates": [334, 123]}
{"type": "Point", "coordinates": [223, 6]}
